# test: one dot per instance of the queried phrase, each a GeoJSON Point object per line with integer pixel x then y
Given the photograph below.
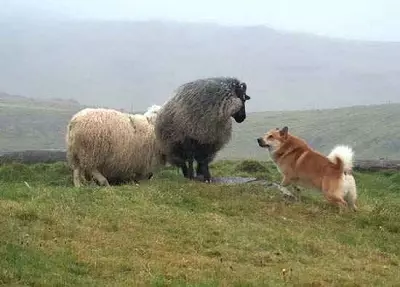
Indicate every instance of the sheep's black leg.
{"type": "Point", "coordinates": [184, 169]}
{"type": "Point", "coordinates": [204, 154]}
{"type": "Point", "coordinates": [190, 169]}
{"type": "Point", "coordinates": [198, 169]}
{"type": "Point", "coordinates": [181, 153]}
{"type": "Point", "coordinates": [205, 171]}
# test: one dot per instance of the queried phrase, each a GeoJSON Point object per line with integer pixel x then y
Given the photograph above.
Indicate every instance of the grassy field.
{"type": "Point", "coordinates": [373, 131]}
{"type": "Point", "coordinates": [171, 232]}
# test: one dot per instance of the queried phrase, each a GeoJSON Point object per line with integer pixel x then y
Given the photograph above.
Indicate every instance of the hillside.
{"type": "Point", "coordinates": [136, 64]}
{"type": "Point", "coordinates": [373, 131]}
{"type": "Point", "coordinates": [171, 232]}
{"type": "Point", "coordinates": [30, 123]}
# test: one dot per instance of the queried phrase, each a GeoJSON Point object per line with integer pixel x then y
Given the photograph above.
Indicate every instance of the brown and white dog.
{"type": "Point", "coordinates": [300, 164]}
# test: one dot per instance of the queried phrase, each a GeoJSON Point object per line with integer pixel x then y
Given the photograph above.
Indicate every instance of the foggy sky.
{"type": "Point", "coordinates": [353, 19]}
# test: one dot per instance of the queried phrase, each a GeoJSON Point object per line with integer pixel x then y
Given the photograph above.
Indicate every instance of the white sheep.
{"type": "Point", "coordinates": [112, 146]}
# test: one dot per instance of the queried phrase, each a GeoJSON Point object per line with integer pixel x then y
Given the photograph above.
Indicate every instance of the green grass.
{"type": "Point", "coordinates": [171, 232]}
{"type": "Point", "coordinates": [373, 131]}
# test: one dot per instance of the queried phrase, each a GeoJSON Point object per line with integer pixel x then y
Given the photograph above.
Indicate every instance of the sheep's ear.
{"type": "Point", "coordinates": [284, 131]}
{"type": "Point", "coordinates": [243, 86]}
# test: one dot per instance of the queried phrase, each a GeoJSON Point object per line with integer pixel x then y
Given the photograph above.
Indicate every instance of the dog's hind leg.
{"type": "Point", "coordinates": [351, 199]}
{"type": "Point", "coordinates": [350, 191]}
{"type": "Point", "coordinates": [334, 198]}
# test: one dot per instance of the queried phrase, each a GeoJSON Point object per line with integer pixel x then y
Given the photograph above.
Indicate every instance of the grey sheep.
{"type": "Point", "coordinates": [196, 122]}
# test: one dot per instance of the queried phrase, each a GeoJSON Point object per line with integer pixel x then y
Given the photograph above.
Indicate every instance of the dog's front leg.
{"type": "Point", "coordinates": [296, 188]}
{"type": "Point", "coordinates": [298, 192]}
{"type": "Point", "coordinates": [285, 181]}
{"type": "Point", "coordinates": [292, 181]}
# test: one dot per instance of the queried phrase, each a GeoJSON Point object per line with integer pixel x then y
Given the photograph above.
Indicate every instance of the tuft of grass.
{"type": "Point", "coordinates": [173, 232]}
{"type": "Point", "coordinates": [52, 174]}
{"type": "Point", "coordinates": [30, 266]}
{"type": "Point", "coordinates": [251, 166]}
{"type": "Point", "coordinates": [246, 168]}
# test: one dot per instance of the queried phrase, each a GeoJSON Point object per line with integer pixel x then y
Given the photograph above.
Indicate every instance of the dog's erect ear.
{"type": "Point", "coordinates": [284, 131]}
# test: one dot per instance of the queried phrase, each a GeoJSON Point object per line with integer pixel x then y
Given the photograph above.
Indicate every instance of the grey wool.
{"type": "Point", "coordinates": [195, 123]}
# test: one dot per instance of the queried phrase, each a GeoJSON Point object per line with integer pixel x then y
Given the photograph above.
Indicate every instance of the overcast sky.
{"type": "Point", "coordinates": [356, 19]}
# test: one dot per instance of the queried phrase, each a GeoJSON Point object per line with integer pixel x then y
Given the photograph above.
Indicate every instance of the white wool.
{"type": "Point", "coordinates": [115, 143]}
{"type": "Point", "coordinates": [152, 113]}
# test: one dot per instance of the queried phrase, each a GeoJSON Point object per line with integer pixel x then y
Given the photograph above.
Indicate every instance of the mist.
{"type": "Point", "coordinates": [357, 19]}
{"type": "Point", "coordinates": [129, 55]}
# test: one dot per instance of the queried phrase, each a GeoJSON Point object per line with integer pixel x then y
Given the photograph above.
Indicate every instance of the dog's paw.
{"type": "Point", "coordinates": [290, 197]}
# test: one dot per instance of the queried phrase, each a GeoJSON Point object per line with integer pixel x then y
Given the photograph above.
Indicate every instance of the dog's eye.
{"type": "Point", "coordinates": [269, 137]}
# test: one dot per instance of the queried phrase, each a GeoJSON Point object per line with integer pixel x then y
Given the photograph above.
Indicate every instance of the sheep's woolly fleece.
{"type": "Point", "coordinates": [152, 113]}
{"type": "Point", "coordinates": [200, 110]}
{"type": "Point", "coordinates": [118, 145]}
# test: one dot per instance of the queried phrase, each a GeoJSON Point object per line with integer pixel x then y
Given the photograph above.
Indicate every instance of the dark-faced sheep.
{"type": "Point", "coordinates": [196, 122]}
{"type": "Point", "coordinates": [111, 146]}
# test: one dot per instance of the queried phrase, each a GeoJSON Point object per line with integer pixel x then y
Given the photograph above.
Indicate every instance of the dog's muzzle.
{"type": "Point", "coordinates": [261, 143]}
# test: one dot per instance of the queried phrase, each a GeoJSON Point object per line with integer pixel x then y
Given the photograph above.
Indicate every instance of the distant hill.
{"type": "Point", "coordinates": [132, 65]}
{"type": "Point", "coordinates": [30, 123]}
{"type": "Point", "coordinates": [7, 100]}
{"type": "Point", "coordinates": [373, 131]}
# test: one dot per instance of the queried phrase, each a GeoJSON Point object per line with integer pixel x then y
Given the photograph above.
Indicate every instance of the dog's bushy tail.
{"type": "Point", "coordinates": [345, 155]}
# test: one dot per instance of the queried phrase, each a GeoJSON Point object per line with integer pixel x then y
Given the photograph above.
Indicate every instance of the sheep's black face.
{"type": "Point", "coordinates": [240, 116]}
{"type": "Point", "coordinates": [240, 91]}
